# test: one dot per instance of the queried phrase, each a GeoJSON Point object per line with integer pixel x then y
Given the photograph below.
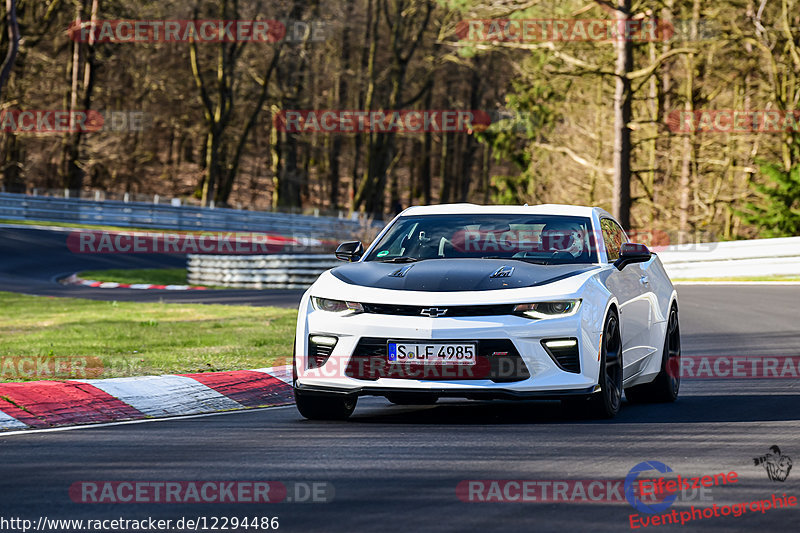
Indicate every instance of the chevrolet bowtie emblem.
{"type": "Point", "coordinates": [433, 312]}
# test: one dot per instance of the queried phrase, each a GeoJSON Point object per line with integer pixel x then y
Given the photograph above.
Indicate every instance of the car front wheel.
{"type": "Point", "coordinates": [668, 381]}
{"type": "Point", "coordinates": [606, 402]}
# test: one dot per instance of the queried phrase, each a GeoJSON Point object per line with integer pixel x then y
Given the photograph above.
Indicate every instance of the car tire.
{"type": "Point", "coordinates": [665, 387]}
{"type": "Point", "coordinates": [413, 399]}
{"type": "Point", "coordinates": [605, 403]}
{"type": "Point", "coordinates": [324, 406]}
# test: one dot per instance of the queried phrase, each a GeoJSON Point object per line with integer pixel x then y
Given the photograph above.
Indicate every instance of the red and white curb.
{"type": "Point", "coordinates": [44, 404]}
{"type": "Point", "coordinates": [75, 280]}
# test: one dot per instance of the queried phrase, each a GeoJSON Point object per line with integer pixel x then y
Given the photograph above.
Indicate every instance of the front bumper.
{"type": "Point", "coordinates": [446, 392]}
{"type": "Point", "coordinates": [544, 377]}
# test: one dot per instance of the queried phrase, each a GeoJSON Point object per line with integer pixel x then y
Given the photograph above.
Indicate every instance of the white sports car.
{"type": "Point", "coordinates": [490, 302]}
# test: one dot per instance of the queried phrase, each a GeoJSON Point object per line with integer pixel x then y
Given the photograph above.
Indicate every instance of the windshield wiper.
{"type": "Point", "coordinates": [525, 259]}
{"type": "Point", "coordinates": [401, 259]}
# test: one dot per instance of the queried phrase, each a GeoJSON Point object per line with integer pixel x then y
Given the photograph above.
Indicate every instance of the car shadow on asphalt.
{"type": "Point", "coordinates": [691, 409]}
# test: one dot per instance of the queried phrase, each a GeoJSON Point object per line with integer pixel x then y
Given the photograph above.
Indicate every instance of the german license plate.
{"type": "Point", "coordinates": [431, 354]}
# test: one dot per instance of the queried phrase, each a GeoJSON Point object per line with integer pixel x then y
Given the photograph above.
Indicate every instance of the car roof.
{"type": "Point", "coordinates": [541, 209]}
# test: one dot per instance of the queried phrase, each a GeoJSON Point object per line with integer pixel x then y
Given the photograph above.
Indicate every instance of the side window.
{"type": "Point", "coordinates": [613, 237]}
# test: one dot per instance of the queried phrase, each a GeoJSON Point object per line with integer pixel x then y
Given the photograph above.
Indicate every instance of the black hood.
{"type": "Point", "coordinates": [450, 275]}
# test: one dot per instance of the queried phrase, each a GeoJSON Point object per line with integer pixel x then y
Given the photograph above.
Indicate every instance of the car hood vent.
{"type": "Point", "coordinates": [400, 273]}
{"type": "Point", "coordinates": [504, 271]}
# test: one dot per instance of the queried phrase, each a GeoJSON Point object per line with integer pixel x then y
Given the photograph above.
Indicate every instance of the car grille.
{"type": "Point", "coordinates": [497, 360]}
{"type": "Point", "coordinates": [452, 311]}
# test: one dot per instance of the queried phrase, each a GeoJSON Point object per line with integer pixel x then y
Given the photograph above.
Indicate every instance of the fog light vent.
{"type": "Point", "coordinates": [564, 352]}
{"type": "Point", "coordinates": [320, 348]}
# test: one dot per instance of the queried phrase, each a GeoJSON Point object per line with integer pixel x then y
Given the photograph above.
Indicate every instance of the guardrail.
{"type": "Point", "coordinates": [259, 271]}
{"type": "Point", "coordinates": [764, 257]}
{"type": "Point", "coordinates": [146, 215]}
{"type": "Point", "coordinates": [761, 257]}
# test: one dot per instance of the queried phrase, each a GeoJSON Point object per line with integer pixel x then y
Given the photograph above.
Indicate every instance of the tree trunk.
{"type": "Point", "coordinates": [13, 161]}
{"type": "Point", "coordinates": [425, 156]}
{"type": "Point", "coordinates": [290, 174]}
{"type": "Point", "coordinates": [13, 44]}
{"type": "Point", "coordinates": [335, 147]}
{"type": "Point", "coordinates": [688, 156]}
{"type": "Point", "coordinates": [471, 143]}
{"type": "Point", "coordinates": [445, 194]}
{"type": "Point", "coordinates": [212, 166]}
{"type": "Point", "coordinates": [228, 178]}
{"type": "Point", "coordinates": [70, 177]}
{"type": "Point", "coordinates": [381, 149]}
{"type": "Point", "coordinates": [622, 117]}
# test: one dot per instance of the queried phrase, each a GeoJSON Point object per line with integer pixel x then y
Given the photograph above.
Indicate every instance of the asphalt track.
{"type": "Point", "coordinates": [32, 260]}
{"type": "Point", "coordinates": [396, 468]}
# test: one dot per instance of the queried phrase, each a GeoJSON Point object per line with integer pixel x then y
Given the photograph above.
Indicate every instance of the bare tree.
{"type": "Point", "coordinates": [621, 200]}
{"type": "Point", "coordinates": [13, 43]}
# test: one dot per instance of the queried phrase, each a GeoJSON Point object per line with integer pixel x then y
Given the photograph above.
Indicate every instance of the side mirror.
{"type": "Point", "coordinates": [631, 252]}
{"type": "Point", "coordinates": [350, 251]}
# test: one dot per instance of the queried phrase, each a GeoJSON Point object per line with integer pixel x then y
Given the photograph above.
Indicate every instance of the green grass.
{"type": "Point", "coordinates": [113, 339]}
{"type": "Point", "coordinates": [155, 276]}
{"type": "Point", "coordinates": [744, 278]}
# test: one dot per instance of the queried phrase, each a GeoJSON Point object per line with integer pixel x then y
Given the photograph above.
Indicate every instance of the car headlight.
{"type": "Point", "coordinates": [540, 310]}
{"type": "Point", "coordinates": [336, 306]}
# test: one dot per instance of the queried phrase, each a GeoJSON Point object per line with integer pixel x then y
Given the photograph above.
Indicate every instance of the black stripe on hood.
{"type": "Point", "coordinates": [451, 275]}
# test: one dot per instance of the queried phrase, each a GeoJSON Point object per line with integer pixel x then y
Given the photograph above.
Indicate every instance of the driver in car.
{"type": "Point", "coordinates": [433, 243]}
{"type": "Point", "coordinates": [564, 239]}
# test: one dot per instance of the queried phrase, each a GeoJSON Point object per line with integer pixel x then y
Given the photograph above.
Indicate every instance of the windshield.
{"type": "Point", "coordinates": [546, 239]}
